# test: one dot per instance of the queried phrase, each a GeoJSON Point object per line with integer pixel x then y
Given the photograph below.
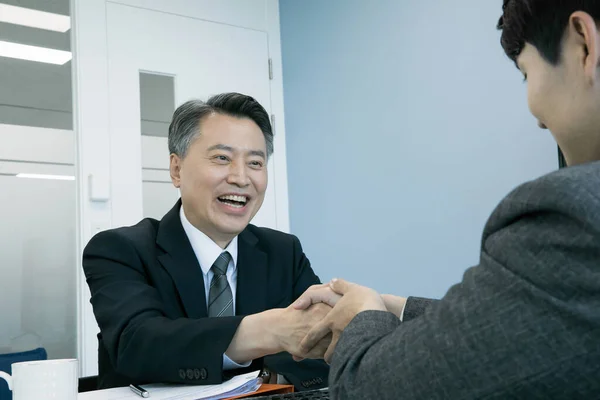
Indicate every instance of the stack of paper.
{"type": "Point", "coordinates": [238, 385]}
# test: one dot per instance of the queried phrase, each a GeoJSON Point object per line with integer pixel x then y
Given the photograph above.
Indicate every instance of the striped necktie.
{"type": "Point", "coordinates": [220, 299]}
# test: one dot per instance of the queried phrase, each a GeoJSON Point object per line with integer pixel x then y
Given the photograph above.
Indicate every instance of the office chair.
{"type": "Point", "coordinates": [6, 360]}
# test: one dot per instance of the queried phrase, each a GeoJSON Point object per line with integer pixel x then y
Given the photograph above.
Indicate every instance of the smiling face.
{"type": "Point", "coordinates": [223, 176]}
{"type": "Point", "coordinates": [565, 98]}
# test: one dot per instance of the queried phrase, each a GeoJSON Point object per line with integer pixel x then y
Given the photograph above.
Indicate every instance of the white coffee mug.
{"type": "Point", "coordinates": [43, 380]}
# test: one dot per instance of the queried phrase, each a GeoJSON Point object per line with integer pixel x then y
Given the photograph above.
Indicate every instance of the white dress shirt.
{"type": "Point", "coordinates": [207, 253]}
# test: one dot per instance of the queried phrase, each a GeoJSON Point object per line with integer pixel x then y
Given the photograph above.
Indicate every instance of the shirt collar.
{"type": "Point", "coordinates": [205, 249]}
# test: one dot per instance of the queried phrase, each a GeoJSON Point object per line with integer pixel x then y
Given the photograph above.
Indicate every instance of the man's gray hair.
{"type": "Point", "coordinates": [185, 125]}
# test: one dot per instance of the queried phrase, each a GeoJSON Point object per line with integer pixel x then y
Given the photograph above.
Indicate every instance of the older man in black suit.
{"type": "Point", "coordinates": [202, 294]}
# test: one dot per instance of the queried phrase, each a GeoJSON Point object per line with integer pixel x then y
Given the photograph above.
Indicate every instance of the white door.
{"type": "Point", "coordinates": [200, 58]}
{"type": "Point", "coordinates": [203, 58]}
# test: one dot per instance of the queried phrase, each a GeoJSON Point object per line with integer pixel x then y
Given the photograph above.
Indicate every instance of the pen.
{"type": "Point", "coordinates": [140, 391]}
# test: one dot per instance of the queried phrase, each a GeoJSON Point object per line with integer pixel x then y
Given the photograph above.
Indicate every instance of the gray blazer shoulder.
{"type": "Point", "coordinates": [523, 323]}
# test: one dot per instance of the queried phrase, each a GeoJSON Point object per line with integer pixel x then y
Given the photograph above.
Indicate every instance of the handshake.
{"type": "Point", "coordinates": [312, 325]}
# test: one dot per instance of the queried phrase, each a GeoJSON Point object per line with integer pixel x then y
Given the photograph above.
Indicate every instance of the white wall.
{"type": "Point", "coordinates": [38, 284]}
{"type": "Point", "coordinates": [37, 242]}
{"type": "Point", "coordinates": [406, 125]}
{"type": "Point", "coordinates": [93, 121]}
{"type": "Point", "coordinates": [40, 95]}
{"type": "Point", "coordinates": [73, 99]}
{"type": "Point", "coordinates": [32, 93]}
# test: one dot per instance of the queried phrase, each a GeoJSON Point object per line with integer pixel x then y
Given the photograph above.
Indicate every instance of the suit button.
{"type": "Point", "coordinates": [189, 373]}
{"type": "Point", "coordinates": [196, 373]}
{"type": "Point", "coordinates": [182, 374]}
{"type": "Point", "coordinates": [203, 373]}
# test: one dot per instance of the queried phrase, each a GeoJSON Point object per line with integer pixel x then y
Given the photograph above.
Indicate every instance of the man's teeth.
{"type": "Point", "coordinates": [238, 199]}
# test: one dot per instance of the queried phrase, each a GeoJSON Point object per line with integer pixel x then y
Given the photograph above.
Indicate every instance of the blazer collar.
{"type": "Point", "coordinates": [251, 296]}
{"type": "Point", "coordinates": [181, 263]}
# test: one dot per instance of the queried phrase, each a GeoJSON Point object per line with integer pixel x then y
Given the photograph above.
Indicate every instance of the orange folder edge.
{"type": "Point", "coordinates": [266, 389]}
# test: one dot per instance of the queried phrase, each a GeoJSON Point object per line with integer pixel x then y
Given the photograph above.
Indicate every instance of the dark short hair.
{"type": "Point", "coordinates": [541, 23]}
{"type": "Point", "coordinates": [185, 125]}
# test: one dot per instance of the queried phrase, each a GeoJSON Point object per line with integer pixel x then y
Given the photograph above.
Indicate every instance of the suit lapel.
{"type": "Point", "coordinates": [181, 263]}
{"type": "Point", "coordinates": [252, 269]}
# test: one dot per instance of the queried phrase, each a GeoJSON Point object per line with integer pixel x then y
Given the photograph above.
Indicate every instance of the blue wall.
{"type": "Point", "coordinates": [405, 126]}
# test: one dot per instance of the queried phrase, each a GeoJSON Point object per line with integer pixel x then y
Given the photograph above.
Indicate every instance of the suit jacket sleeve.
{"type": "Point", "coordinates": [305, 277]}
{"type": "Point", "coordinates": [522, 324]}
{"type": "Point", "coordinates": [415, 307]}
{"type": "Point", "coordinates": [307, 374]}
{"type": "Point", "coordinates": [134, 327]}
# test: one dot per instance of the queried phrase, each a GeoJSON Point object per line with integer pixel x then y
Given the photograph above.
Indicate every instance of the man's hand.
{"type": "Point", "coordinates": [355, 299]}
{"type": "Point", "coordinates": [290, 325]}
{"type": "Point", "coordinates": [315, 294]}
{"type": "Point", "coordinates": [277, 330]}
{"type": "Point", "coordinates": [324, 294]}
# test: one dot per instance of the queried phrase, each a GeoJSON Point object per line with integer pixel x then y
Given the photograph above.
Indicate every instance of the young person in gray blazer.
{"type": "Point", "coordinates": [525, 322]}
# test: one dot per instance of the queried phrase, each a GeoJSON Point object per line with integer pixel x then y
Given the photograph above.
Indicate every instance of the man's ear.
{"type": "Point", "coordinates": [587, 36]}
{"type": "Point", "coordinates": [175, 169]}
